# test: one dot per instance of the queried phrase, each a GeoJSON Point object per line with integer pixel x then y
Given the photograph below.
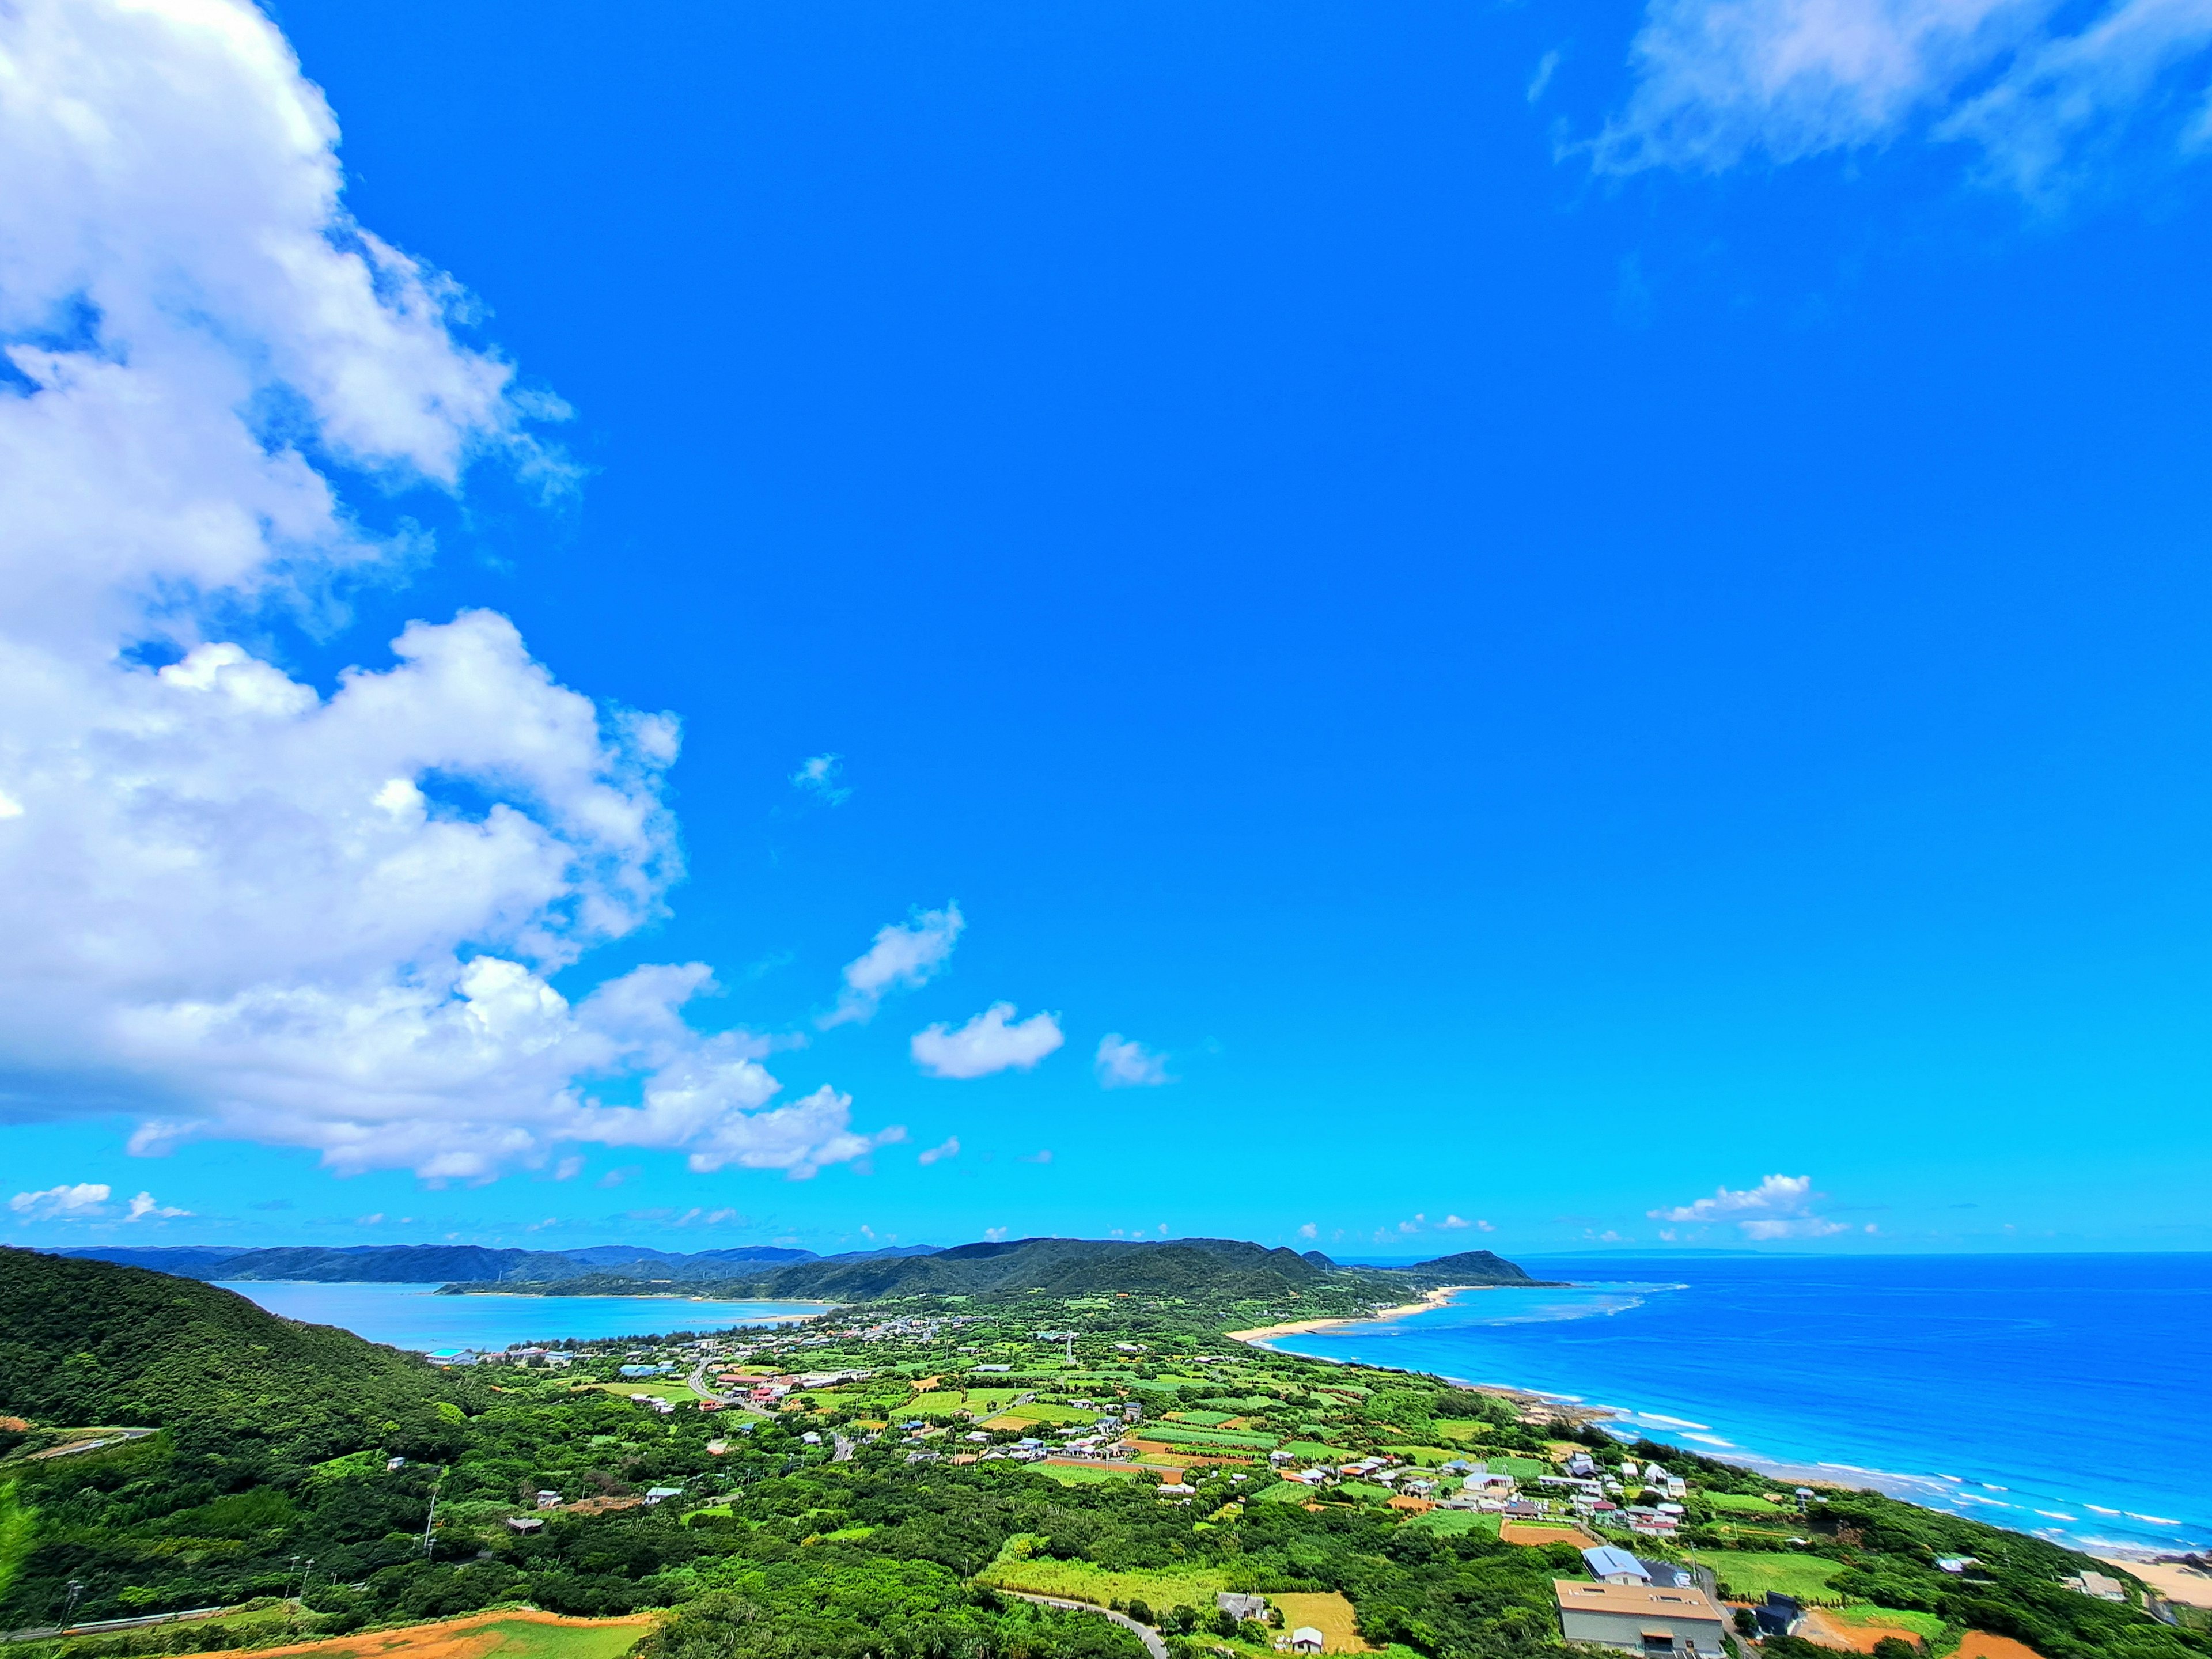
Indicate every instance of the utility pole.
{"type": "Point", "coordinates": [68, 1613]}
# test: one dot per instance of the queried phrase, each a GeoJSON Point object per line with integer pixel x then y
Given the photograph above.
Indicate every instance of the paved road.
{"type": "Point", "coordinates": [844, 1453]}
{"type": "Point", "coordinates": [1145, 1634]}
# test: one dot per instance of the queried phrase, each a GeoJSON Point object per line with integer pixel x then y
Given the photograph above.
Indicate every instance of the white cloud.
{"type": "Point", "coordinates": [144, 1206]}
{"type": "Point", "coordinates": [818, 776]}
{"type": "Point", "coordinates": [987, 1043]}
{"type": "Point", "coordinates": [1455, 1223]}
{"type": "Point", "coordinates": [1309, 1230]}
{"type": "Point", "coordinates": [1780, 1207]}
{"type": "Point", "coordinates": [1129, 1065]}
{"type": "Point", "coordinates": [84, 1199]}
{"type": "Point", "coordinates": [244, 906]}
{"type": "Point", "coordinates": [996, 1235]}
{"type": "Point", "coordinates": [1414, 1225]}
{"type": "Point", "coordinates": [949, 1148]}
{"type": "Point", "coordinates": [1719, 80]}
{"type": "Point", "coordinates": [901, 958]}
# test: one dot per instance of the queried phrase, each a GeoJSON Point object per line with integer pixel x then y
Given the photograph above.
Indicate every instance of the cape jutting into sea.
{"type": "Point", "coordinates": [2063, 1395]}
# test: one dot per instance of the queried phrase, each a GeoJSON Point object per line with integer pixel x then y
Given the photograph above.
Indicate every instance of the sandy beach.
{"type": "Point", "coordinates": [1432, 1299]}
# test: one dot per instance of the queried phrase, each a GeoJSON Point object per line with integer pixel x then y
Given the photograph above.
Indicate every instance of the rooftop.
{"type": "Point", "coordinates": [1643, 1601]}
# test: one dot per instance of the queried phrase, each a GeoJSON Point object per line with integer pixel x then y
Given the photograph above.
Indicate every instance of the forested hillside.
{"type": "Point", "coordinates": [89, 1342]}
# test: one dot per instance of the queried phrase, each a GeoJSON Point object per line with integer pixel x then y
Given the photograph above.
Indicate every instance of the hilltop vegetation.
{"type": "Point", "coordinates": [86, 1342]}
{"type": "Point", "coordinates": [886, 1494]}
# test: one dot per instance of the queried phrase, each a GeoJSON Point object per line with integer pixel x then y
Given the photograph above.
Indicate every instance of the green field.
{"type": "Point", "coordinates": [1076, 1477]}
{"type": "Point", "coordinates": [1744, 1502]}
{"type": "Point", "coordinates": [1037, 1412]}
{"type": "Point", "coordinates": [1175, 1434]}
{"type": "Point", "coordinates": [1751, 1573]}
{"type": "Point", "coordinates": [495, 1638]}
{"type": "Point", "coordinates": [1520, 1469]}
{"type": "Point", "coordinates": [1927, 1626]}
{"type": "Point", "coordinates": [658, 1387]}
{"type": "Point", "coordinates": [950, 1402]}
{"type": "Point", "coordinates": [1428, 1455]}
{"type": "Point", "coordinates": [1162, 1587]}
{"type": "Point", "coordinates": [1452, 1522]}
{"type": "Point", "coordinates": [1315, 1451]}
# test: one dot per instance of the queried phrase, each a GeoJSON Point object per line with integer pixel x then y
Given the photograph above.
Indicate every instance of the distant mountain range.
{"type": "Point", "coordinates": [1218, 1268]}
{"type": "Point", "coordinates": [440, 1264]}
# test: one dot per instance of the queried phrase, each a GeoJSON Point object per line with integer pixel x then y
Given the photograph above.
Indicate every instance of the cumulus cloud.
{"type": "Point", "coordinates": [949, 1148]}
{"type": "Point", "coordinates": [1719, 80]}
{"type": "Point", "coordinates": [246, 906]}
{"type": "Point", "coordinates": [987, 1043]}
{"type": "Point", "coordinates": [903, 956]}
{"type": "Point", "coordinates": [144, 1206]}
{"type": "Point", "coordinates": [1126, 1064]}
{"type": "Point", "coordinates": [1780, 1207]}
{"type": "Point", "coordinates": [1309, 1230]}
{"type": "Point", "coordinates": [86, 1198]}
{"type": "Point", "coordinates": [818, 777]}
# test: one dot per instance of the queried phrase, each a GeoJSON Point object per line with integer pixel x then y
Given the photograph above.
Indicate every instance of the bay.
{"type": "Point", "coordinates": [2062, 1394]}
{"type": "Point", "coordinates": [415, 1316]}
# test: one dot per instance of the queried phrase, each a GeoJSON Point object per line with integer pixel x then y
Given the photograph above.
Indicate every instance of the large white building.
{"type": "Point", "coordinates": [1639, 1618]}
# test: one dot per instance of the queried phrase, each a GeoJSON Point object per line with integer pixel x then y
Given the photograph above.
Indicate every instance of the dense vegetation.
{"type": "Point", "coordinates": [868, 1516]}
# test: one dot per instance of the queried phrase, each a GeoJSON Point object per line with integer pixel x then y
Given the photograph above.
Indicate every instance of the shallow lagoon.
{"type": "Point", "coordinates": [416, 1316]}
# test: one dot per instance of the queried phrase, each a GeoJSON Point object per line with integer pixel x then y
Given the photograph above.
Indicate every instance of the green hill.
{"type": "Point", "coordinates": [89, 1342]}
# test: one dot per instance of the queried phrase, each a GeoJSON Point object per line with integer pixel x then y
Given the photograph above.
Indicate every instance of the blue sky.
{"type": "Point", "coordinates": [1583, 622]}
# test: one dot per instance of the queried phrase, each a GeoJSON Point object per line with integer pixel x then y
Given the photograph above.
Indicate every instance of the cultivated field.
{"type": "Point", "coordinates": [522, 1635]}
{"type": "Point", "coordinates": [1747, 1575]}
{"type": "Point", "coordinates": [1330, 1614]}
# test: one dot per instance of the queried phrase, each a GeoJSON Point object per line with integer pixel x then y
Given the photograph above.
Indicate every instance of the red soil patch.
{"type": "Point", "coordinates": [451, 1638]}
{"type": "Point", "coordinates": [1980, 1645]}
{"type": "Point", "coordinates": [1853, 1638]}
{"type": "Point", "coordinates": [1524, 1532]}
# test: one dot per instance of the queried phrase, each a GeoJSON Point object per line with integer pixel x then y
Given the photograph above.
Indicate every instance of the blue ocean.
{"type": "Point", "coordinates": [416, 1316]}
{"type": "Point", "coordinates": [2065, 1394]}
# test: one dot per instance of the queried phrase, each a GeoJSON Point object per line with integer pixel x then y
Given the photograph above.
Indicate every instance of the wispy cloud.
{"type": "Point", "coordinates": [818, 777]}
{"type": "Point", "coordinates": [949, 1148]}
{"type": "Point", "coordinates": [2027, 81]}
{"type": "Point", "coordinates": [905, 955]}
{"type": "Point", "coordinates": [143, 1207]}
{"type": "Point", "coordinates": [1125, 1064]}
{"type": "Point", "coordinates": [1780, 1207]}
{"type": "Point", "coordinates": [987, 1043]}
{"type": "Point", "coordinates": [85, 1198]}
{"type": "Point", "coordinates": [1455, 1223]}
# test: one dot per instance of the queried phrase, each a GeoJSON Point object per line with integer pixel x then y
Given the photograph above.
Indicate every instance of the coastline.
{"type": "Point", "coordinates": [1537, 1406]}
{"type": "Point", "coordinates": [1431, 1300]}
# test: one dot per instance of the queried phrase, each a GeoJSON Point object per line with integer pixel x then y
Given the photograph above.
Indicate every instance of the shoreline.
{"type": "Point", "coordinates": [1431, 1301]}
{"type": "Point", "coordinates": [1573, 1411]}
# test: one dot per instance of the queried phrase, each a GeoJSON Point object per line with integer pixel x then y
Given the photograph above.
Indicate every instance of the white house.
{"type": "Point", "coordinates": [1306, 1640]}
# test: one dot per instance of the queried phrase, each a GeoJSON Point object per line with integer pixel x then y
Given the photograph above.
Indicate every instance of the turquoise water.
{"type": "Point", "coordinates": [416, 1316]}
{"type": "Point", "coordinates": [2067, 1395]}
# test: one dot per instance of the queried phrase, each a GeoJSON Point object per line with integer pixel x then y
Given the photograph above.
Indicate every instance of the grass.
{"type": "Point", "coordinates": [1328, 1613]}
{"type": "Point", "coordinates": [678, 1392]}
{"type": "Point", "coordinates": [18, 1521]}
{"type": "Point", "coordinates": [947, 1402]}
{"type": "Point", "coordinates": [1037, 1412]}
{"type": "Point", "coordinates": [1174, 1434]}
{"type": "Point", "coordinates": [499, 1636]}
{"type": "Point", "coordinates": [1316, 1451]}
{"type": "Point", "coordinates": [1751, 1573]}
{"type": "Point", "coordinates": [1927, 1626]}
{"type": "Point", "coordinates": [1744, 1502]}
{"type": "Point", "coordinates": [1162, 1587]}
{"type": "Point", "coordinates": [1520, 1469]}
{"type": "Point", "coordinates": [1071, 1476]}
{"type": "Point", "coordinates": [1461, 1428]}
{"type": "Point", "coordinates": [1453, 1523]}
{"type": "Point", "coordinates": [1428, 1455]}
